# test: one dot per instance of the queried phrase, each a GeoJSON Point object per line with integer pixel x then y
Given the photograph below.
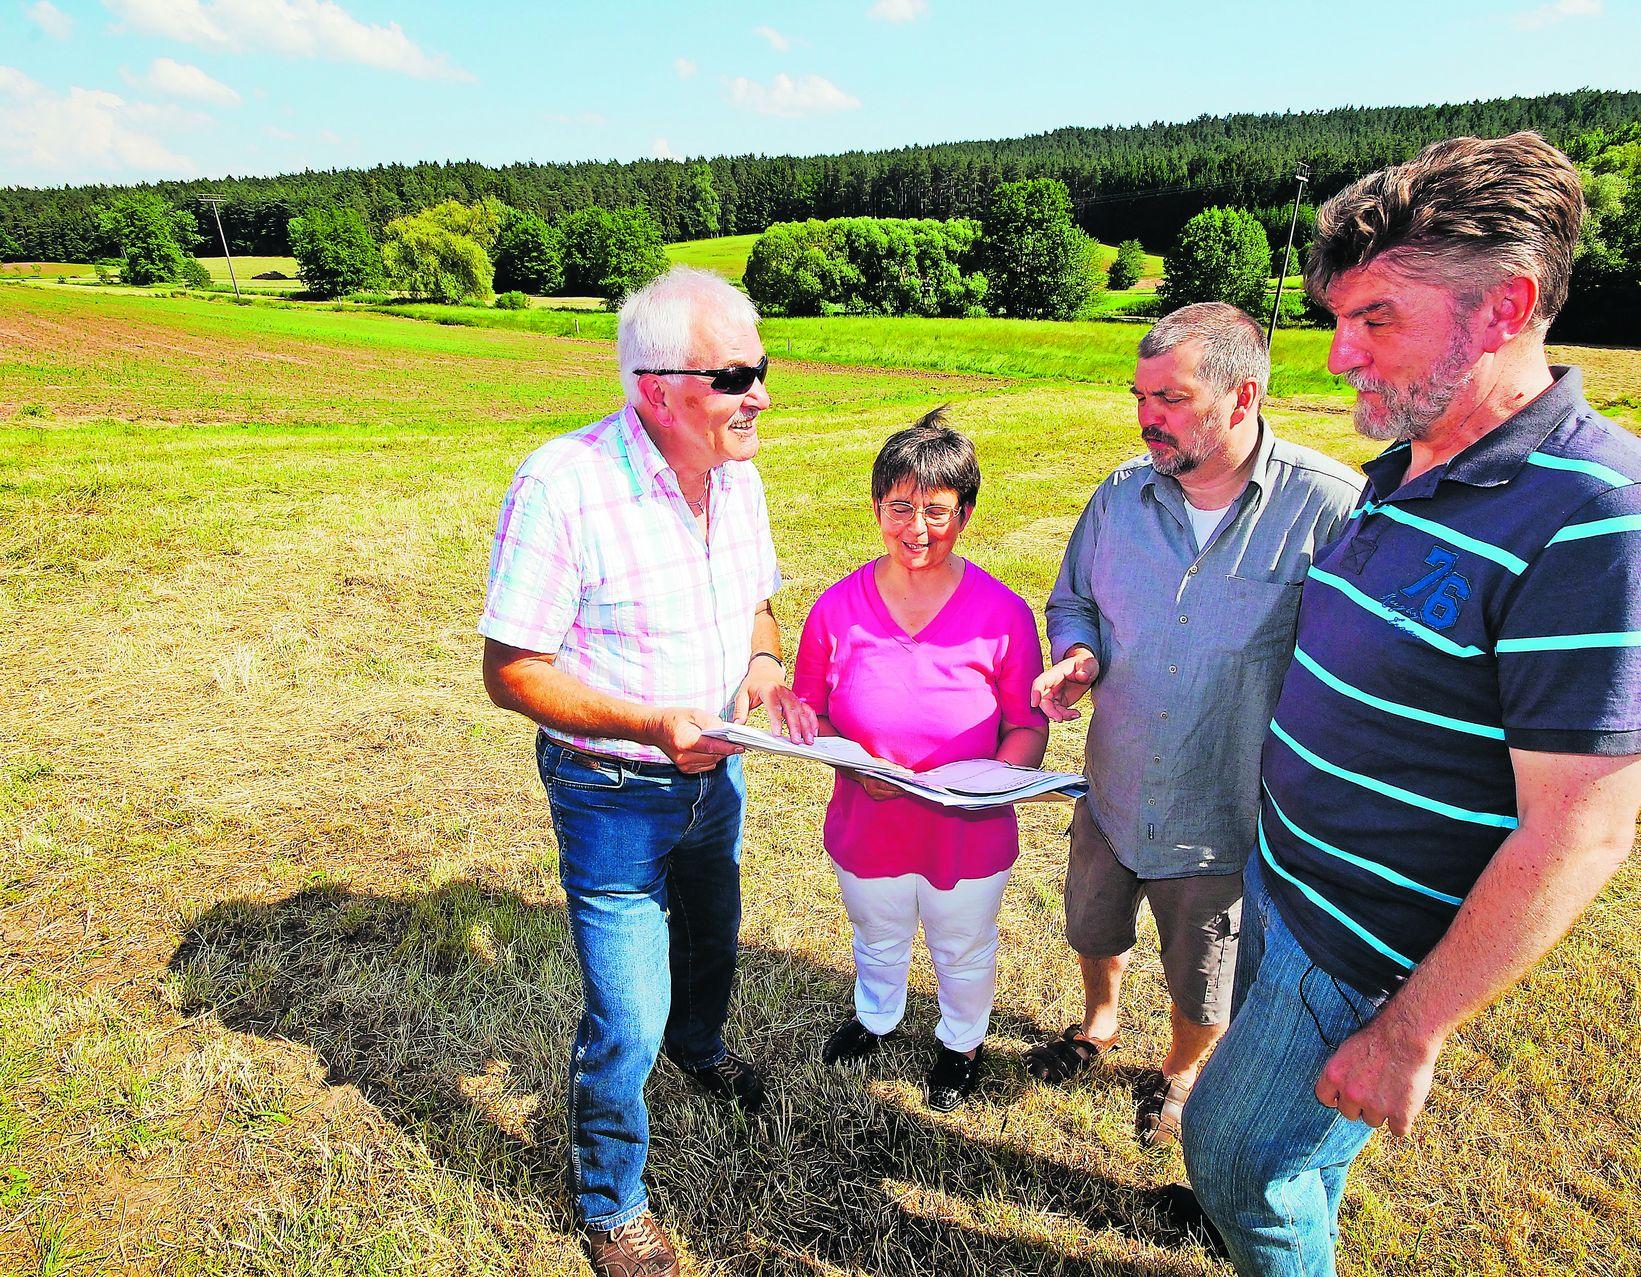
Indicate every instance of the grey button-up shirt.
{"type": "Point", "coordinates": [1192, 648]}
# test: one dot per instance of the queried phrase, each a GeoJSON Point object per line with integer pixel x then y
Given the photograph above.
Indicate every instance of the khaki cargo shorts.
{"type": "Point", "coordinates": [1198, 919]}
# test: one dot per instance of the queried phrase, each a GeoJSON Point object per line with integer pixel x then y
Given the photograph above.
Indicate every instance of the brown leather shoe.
{"type": "Point", "coordinates": [637, 1248]}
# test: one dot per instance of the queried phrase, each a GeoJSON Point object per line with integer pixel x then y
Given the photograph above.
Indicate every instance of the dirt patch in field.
{"type": "Point", "coordinates": [217, 365]}
{"type": "Point", "coordinates": [208, 366]}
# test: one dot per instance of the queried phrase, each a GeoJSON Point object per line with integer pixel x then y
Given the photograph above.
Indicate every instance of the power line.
{"type": "Point", "coordinates": [1082, 201]}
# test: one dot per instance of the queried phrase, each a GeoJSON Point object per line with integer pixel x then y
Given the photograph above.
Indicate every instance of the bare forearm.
{"type": "Point", "coordinates": [532, 686]}
{"type": "Point", "coordinates": [766, 632]}
{"type": "Point", "coordinates": [1527, 898]}
{"type": "Point", "coordinates": [1023, 746]}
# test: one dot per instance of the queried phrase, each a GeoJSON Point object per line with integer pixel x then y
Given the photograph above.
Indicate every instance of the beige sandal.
{"type": "Point", "coordinates": [1157, 1118]}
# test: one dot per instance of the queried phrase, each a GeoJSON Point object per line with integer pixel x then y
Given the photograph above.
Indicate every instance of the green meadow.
{"type": "Point", "coordinates": [285, 984]}
{"type": "Point", "coordinates": [1014, 348]}
{"type": "Point", "coordinates": [246, 269]}
{"type": "Point", "coordinates": [725, 254]}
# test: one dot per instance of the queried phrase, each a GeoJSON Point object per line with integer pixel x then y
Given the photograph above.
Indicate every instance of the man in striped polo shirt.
{"type": "Point", "coordinates": [1452, 771]}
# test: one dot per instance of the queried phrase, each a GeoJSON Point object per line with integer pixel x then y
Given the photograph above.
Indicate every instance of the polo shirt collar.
{"type": "Point", "coordinates": [1498, 456]}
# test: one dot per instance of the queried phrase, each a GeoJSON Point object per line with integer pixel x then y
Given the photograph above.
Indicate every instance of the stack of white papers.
{"type": "Point", "coordinates": [970, 785]}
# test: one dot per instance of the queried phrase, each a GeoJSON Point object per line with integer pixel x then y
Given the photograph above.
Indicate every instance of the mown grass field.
{"type": "Point", "coordinates": [46, 270]}
{"type": "Point", "coordinates": [246, 269]}
{"type": "Point", "coordinates": [725, 254]}
{"type": "Point", "coordinates": [1016, 348]}
{"type": "Point", "coordinates": [284, 979]}
{"type": "Point", "coordinates": [1105, 254]}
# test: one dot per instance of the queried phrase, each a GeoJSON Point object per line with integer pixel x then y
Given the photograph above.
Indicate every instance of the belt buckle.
{"type": "Point", "coordinates": [603, 766]}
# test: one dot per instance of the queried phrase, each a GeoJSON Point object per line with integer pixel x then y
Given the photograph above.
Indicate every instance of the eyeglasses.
{"type": "Point", "coordinates": [934, 516]}
{"type": "Point", "coordinates": [734, 380]}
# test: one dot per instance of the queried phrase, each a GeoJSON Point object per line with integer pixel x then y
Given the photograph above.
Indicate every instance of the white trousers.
{"type": "Point", "coordinates": [960, 928]}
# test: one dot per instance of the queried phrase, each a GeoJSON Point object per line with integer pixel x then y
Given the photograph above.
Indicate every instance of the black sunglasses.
{"type": "Point", "coordinates": [736, 380]}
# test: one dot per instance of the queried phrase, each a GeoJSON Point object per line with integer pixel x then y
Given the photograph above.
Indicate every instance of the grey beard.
{"type": "Point", "coordinates": [1180, 463]}
{"type": "Point", "coordinates": [1408, 414]}
{"type": "Point", "coordinates": [1190, 452]}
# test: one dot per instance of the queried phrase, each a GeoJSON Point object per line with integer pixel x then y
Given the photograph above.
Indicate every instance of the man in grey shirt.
{"type": "Point", "coordinates": [1176, 603]}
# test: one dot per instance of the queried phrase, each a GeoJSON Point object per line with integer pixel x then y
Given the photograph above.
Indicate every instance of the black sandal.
{"type": "Point", "coordinates": [1067, 1056]}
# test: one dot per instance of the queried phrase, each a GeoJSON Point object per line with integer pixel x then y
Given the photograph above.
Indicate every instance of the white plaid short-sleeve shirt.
{"type": "Point", "coordinates": [597, 558]}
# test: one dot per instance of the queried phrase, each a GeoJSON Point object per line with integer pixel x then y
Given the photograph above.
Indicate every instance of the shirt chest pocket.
{"type": "Point", "coordinates": [644, 609]}
{"type": "Point", "coordinates": [1250, 619]}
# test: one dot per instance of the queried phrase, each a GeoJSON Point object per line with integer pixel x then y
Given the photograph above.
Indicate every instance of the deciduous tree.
{"type": "Point", "coordinates": [147, 234]}
{"type": "Point", "coordinates": [529, 255]}
{"type": "Point", "coordinates": [335, 252]}
{"type": "Point", "coordinates": [1126, 268]}
{"type": "Point", "coordinates": [425, 257]}
{"type": "Point", "coordinates": [1037, 264]}
{"type": "Point", "coordinates": [1221, 256]}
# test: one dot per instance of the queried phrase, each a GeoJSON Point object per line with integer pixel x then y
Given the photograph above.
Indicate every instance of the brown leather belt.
{"type": "Point", "coordinates": [602, 761]}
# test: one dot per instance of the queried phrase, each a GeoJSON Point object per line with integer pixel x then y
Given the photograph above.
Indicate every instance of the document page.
{"type": "Point", "coordinates": [834, 751]}
{"type": "Point", "coordinates": [972, 784]}
{"type": "Point", "coordinates": [979, 776]}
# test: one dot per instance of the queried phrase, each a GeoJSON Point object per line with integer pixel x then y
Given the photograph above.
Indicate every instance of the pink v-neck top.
{"type": "Point", "coordinates": [945, 694]}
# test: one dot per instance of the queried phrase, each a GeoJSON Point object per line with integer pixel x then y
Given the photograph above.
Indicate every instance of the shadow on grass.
{"type": "Point", "coordinates": [452, 1013]}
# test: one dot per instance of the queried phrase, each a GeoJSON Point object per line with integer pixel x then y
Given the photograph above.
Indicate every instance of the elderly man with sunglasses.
{"type": "Point", "coordinates": [628, 609]}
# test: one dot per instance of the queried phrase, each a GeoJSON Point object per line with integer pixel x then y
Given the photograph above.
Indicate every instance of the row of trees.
{"type": "Point", "coordinates": [868, 266]}
{"type": "Point", "coordinates": [454, 252]}
{"type": "Point", "coordinates": [1025, 258]}
{"type": "Point", "coordinates": [1605, 301]}
{"type": "Point", "coordinates": [448, 252]}
{"type": "Point", "coordinates": [1141, 182]}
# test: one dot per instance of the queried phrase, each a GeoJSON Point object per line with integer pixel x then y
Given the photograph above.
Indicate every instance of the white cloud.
{"type": "Point", "coordinates": [50, 19]}
{"type": "Point", "coordinates": [295, 28]}
{"type": "Point", "coordinates": [777, 41]}
{"type": "Point", "coordinates": [684, 67]}
{"type": "Point", "coordinates": [278, 134]}
{"type": "Point", "coordinates": [87, 134]}
{"type": "Point", "coordinates": [809, 95]}
{"type": "Point", "coordinates": [183, 20]}
{"type": "Point", "coordinates": [898, 10]}
{"type": "Point", "coordinates": [662, 151]}
{"type": "Point", "coordinates": [180, 80]}
{"type": "Point", "coordinates": [1554, 12]}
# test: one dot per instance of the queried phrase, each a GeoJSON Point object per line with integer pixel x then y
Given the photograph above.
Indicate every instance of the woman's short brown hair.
{"type": "Point", "coordinates": [931, 455]}
{"type": "Point", "coordinates": [1470, 210]}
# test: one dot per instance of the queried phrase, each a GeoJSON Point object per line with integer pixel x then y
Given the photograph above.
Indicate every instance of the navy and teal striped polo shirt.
{"type": "Point", "coordinates": [1493, 603]}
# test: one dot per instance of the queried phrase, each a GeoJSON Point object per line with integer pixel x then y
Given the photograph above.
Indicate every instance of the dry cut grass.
{"type": "Point", "coordinates": [284, 980]}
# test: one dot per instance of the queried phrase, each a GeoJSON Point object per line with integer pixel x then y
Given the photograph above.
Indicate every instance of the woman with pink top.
{"type": "Point", "coordinates": [923, 659]}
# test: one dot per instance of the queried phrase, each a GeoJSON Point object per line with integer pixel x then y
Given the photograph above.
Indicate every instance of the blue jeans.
{"type": "Point", "coordinates": [1267, 1159]}
{"type": "Point", "coordinates": [651, 866]}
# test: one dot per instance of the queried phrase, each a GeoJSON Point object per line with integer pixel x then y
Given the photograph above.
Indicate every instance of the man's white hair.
{"type": "Point", "coordinates": [657, 325]}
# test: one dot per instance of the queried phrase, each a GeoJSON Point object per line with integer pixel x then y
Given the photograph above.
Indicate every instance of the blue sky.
{"type": "Point", "coordinates": [126, 90]}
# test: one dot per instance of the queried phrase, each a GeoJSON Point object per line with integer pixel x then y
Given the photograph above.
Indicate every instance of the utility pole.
{"type": "Point", "coordinates": [1302, 175]}
{"type": "Point", "coordinates": [214, 202]}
